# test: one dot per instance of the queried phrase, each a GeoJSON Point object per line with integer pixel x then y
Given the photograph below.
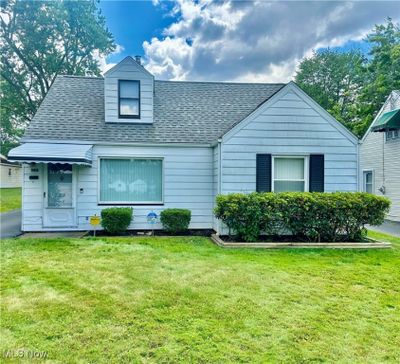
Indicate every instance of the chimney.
{"type": "Point", "coordinates": [138, 59]}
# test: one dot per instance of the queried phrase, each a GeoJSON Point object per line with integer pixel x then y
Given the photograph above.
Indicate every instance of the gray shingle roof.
{"type": "Point", "coordinates": [184, 112]}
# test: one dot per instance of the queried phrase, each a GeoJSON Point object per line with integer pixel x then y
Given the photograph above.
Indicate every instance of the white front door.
{"type": "Point", "coordinates": [59, 196]}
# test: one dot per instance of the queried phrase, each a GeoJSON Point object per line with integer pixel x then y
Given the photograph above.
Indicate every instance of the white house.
{"type": "Point", "coordinates": [380, 155]}
{"type": "Point", "coordinates": [129, 140]}
{"type": "Point", "coordinates": [10, 173]}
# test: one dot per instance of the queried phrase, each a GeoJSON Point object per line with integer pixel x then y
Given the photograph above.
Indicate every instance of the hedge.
{"type": "Point", "coordinates": [308, 216]}
{"type": "Point", "coordinates": [175, 220]}
{"type": "Point", "coordinates": [116, 220]}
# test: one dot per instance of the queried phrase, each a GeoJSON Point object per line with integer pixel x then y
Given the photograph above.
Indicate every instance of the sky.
{"type": "Point", "coordinates": [239, 41]}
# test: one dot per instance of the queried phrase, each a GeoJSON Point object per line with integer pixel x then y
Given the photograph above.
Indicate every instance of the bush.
{"type": "Point", "coordinates": [116, 220]}
{"type": "Point", "coordinates": [175, 220]}
{"type": "Point", "coordinates": [307, 216]}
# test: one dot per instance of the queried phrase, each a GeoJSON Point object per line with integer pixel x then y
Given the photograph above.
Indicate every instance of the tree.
{"type": "Point", "coordinates": [353, 86]}
{"type": "Point", "coordinates": [382, 72]}
{"type": "Point", "coordinates": [39, 40]}
{"type": "Point", "coordinates": [334, 79]}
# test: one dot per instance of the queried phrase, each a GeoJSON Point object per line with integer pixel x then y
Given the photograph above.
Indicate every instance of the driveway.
{"type": "Point", "coordinates": [10, 224]}
{"type": "Point", "coordinates": [388, 227]}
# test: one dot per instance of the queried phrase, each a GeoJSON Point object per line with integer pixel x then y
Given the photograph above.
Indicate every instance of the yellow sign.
{"type": "Point", "coordinates": [94, 220]}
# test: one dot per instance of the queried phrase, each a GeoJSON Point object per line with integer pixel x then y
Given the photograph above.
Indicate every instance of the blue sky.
{"type": "Point", "coordinates": [236, 41]}
{"type": "Point", "coordinates": [132, 22]}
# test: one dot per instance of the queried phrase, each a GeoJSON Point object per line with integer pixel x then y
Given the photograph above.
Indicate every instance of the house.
{"type": "Point", "coordinates": [130, 140]}
{"type": "Point", "coordinates": [380, 155]}
{"type": "Point", "coordinates": [10, 176]}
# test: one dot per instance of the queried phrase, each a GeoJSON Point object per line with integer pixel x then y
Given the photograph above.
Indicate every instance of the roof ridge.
{"type": "Point", "coordinates": [227, 82]}
{"type": "Point", "coordinates": [78, 76]}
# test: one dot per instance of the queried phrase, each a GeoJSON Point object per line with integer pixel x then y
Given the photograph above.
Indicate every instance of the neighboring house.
{"type": "Point", "coordinates": [380, 155]}
{"type": "Point", "coordinates": [129, 140]}
{"type": "Point", "coordinates": [11, 173]}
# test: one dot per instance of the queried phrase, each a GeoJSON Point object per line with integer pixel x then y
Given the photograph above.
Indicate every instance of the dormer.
{"type": "Point", "coordinates": [128, 93]}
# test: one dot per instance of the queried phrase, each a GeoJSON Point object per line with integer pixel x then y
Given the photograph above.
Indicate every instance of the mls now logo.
{"type": "Point", "coordinates": [24, 353]}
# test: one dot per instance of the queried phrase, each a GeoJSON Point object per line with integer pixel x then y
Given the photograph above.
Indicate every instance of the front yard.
{"type": "Point", "coordinates": [10, 199]}
{"type": "Point", "coordinates": [186, 300]}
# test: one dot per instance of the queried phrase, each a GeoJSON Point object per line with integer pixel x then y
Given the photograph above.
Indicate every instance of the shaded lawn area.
{"type": "Point", "coordinates": [169, 299]}
{"type": "Point", "coordinates": [10, 199]}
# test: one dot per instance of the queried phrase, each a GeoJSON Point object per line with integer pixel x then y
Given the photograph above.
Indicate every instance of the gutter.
{"type": "Point", "coordinates": [133, 144]}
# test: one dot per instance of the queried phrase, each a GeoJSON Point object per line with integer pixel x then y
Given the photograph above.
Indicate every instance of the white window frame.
{"type": "Point", "coordinates": [390, 134]}
{"type": "Point", "coordinates": [131, 203]}
{"type": "Point", "coordinates": [364, 172]}
{"type": "Point", "coordinates": [306, 169]}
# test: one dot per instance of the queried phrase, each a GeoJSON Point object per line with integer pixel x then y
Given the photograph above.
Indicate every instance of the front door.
{"type": "Point", "coordinates": [59, 196]}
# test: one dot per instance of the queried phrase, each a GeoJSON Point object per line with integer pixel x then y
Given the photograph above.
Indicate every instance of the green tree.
{"type": "Point", "coordinates": [334, 79]}
{"type": "Point", "coordinates": [382, 72]}
{"type": "Point", "coordinates": [39, 40]}
{"type": "Point", "coordinates": [353, 86]}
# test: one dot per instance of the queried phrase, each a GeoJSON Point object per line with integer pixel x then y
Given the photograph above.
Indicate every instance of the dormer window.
{"type": "Point", "coordinates": [129, 99]}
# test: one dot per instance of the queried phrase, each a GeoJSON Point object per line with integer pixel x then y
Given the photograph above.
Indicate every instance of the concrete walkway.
{"type": "Point", "coordinates": [388, 227]}
{"type": "Point", "coordinates": [10, 224]}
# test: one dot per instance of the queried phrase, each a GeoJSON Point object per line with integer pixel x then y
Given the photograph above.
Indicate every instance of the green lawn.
{"type": "Point", "coordinates": [10, 199]}
{"type": "Point", "coordinates": [146, 299]}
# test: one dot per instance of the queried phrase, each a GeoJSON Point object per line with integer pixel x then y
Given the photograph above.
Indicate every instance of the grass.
{"type": "Point", "coordinates": [169, 299]}
{"type": "Point", "coordinates": [10, 199]}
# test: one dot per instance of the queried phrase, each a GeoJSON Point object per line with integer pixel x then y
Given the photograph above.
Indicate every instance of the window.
{"type": "Point", "coordinates": [392, 134]}
{"type": "Point", "coordinates": [131, 181]}
{"type": "Point", "coordinates": [368, 181]}
{"type": "Point", "coordinates": [129, 99]}
{"type": "Point", "coordinates": [289, 174]}
{"type": "Point", "coordinates": [59, 185]}
{"type": "Point", "coordinates": [9, 171]}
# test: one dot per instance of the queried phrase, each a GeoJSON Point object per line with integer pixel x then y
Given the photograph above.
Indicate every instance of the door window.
{"type": "Point", "coordinates": [59, 185]}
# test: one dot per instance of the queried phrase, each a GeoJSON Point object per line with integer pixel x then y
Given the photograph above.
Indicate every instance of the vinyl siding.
{"type": "Point", "coordinates": [288, 125]}
{"type": "Point", "coordinates": [13, 180]}
{"type": "Point", "coordinates": [188, 183]}
{"type": "Point", "coordinates": [128, 70]}
{"type": "Point", "coordinates": [383, 158]}
{"type": "Point", "coordinates": [32, 198]}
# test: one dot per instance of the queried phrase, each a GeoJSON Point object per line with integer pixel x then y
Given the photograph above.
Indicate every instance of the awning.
{"type": "Point", "coordinates": [52, 153]}
{"type": "Point", "coordinates": [388, 120]}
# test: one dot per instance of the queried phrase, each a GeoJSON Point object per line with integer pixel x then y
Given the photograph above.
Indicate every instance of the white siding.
{"type": "Point", "coordinates": [289, 124]}
{"type": "Point", "coordinates": [11, 176]}
{"type": "Point", "coordinates": [32, 197]}
{"type": "Point", "coordinates": [128, 70]}
{"type": "Point", "coordinates": [383, 158]}
{"type": "Point", "coordinates": [188, 183]}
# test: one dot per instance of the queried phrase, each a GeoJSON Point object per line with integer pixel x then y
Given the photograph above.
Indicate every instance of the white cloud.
{"type": "Point", "coordinates": [255, 41]}
{"type": "Point", "coordinates": [104, 66]}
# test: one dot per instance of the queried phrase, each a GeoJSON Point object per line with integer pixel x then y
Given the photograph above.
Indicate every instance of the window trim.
{"type": "Point", "coordinates": [128, 98]}
{"type": "Point", "coordinates": [306, 181]}
{"type": "Point", "coordinates": [364, 171]}
{"type": "Point", "coordinates": [389, 134]}
{"type": "Point", "coordinates": [130, 203]}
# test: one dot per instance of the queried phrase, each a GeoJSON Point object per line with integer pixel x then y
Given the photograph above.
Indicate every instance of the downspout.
{"type": "Point", "coordinates": [219, 179]}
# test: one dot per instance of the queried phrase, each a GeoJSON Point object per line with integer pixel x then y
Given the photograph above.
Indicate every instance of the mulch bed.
{"type": "Point", "coordinates": [190, 232]}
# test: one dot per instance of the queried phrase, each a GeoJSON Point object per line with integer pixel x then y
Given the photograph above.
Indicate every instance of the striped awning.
{"type": "Point", "coordinates": [52, 153]}
{"type": "Point", "coordinates": [387, 121]}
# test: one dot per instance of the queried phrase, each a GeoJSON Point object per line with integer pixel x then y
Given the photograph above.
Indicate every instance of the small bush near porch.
{"type": "Point", "coordinates": [166, 299]}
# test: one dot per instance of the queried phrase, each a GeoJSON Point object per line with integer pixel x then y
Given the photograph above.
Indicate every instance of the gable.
{"type": "Point", "coordinates": [292, 114]}
{"type": "Point", "coordinates": [128, 70]}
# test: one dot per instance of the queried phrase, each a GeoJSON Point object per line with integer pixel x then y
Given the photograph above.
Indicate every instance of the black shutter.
{"type": "Point", "coordinates": [317, 173]}
{"type": "Point", "coordinates": [263, 174]}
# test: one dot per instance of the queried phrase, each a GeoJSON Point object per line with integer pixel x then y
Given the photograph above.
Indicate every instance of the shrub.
{"type": "Point", "coordinates": [307, 216]}
{"type": "Point", "coordinates": [116, 220]}
{"type": "Point", "coordinates": [175, 220]}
